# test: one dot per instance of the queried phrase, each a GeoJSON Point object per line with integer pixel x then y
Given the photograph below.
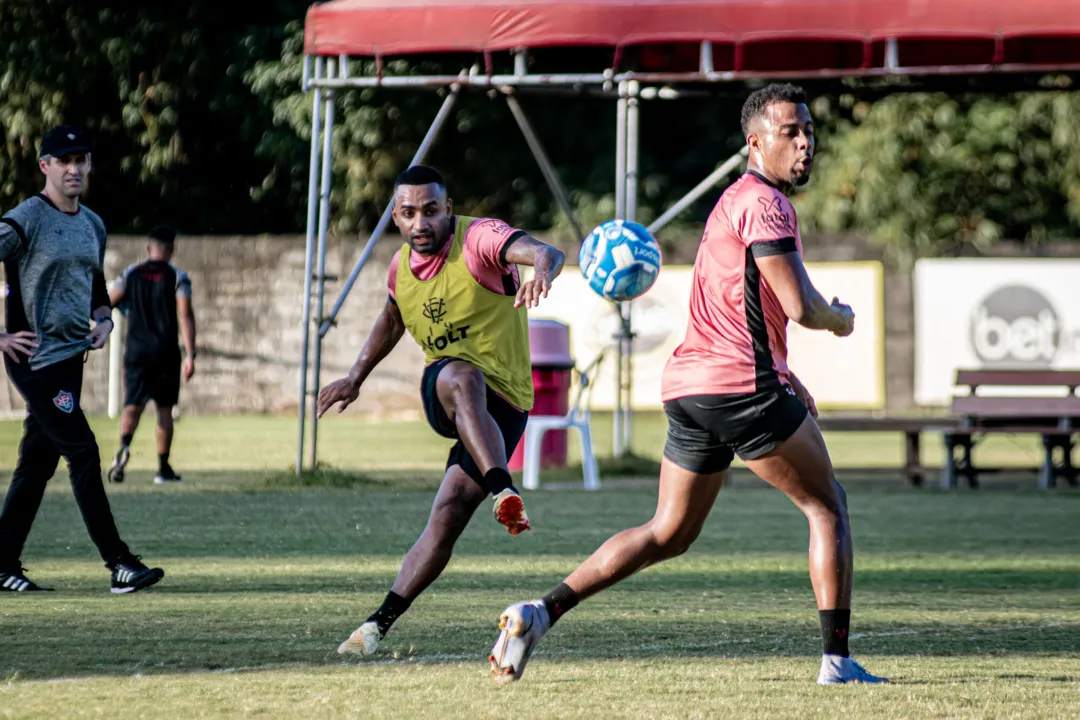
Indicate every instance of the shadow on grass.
{"type": "Point", "coordinates": [901, 588]}
{"type": "Point", "coordinates": [266, 578]}
{"type": "Point", "coordinates": [380, 515]}
{"type": "Point", "coordinates": [328, 476]}
{"type": "Point", "coordinates": [255, 637]}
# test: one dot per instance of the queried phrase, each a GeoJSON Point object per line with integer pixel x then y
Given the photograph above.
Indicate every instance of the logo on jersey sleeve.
{"type": "Point", "coordinates": [774, 216]}
{"type": "Point", "coordinates": [64, 401]}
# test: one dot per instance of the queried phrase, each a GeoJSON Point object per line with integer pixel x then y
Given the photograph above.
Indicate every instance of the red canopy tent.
{"type": "Point", "coordinates": [654, 45]}
{"type": "Point", "coordinates": [747, 36]}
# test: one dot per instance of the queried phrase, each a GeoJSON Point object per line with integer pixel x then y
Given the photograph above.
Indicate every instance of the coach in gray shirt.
{"type": "Point", "coordinates": [53, 250]}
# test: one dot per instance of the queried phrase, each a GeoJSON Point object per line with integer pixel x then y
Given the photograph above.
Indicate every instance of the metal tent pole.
{"type": "Point", "coordinates": [324, 224]}
{"type": "Point", "coordinates": [313, 176]}
{"type": "Point", "coordinates": [384, 221]}
{"type": "Point", "coordinates": [548, 170]}
{"type": "Point", "coordinates": [632, 132]}
{"type": "Point", "coordinates": [620, 212]}
{"type": "Point", "coordinates": [729, 165]}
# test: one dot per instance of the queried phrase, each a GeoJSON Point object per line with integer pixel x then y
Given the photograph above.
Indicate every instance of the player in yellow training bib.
{"type": "Point", "coordinates": [454, 286]}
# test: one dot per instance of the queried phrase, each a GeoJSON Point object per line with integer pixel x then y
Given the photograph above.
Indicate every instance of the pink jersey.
{"type": "Point", "coordinates": [736, 341]}
{"type": "Point", "coordinates": [483, 247]}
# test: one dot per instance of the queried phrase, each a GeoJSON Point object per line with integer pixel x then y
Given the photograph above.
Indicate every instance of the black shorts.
{"type": "Point", "coordinates": [510, 420]}
{"type": "Point", "coordinates": [705, 432]}
{"type": "Point", "coordinates": [150, 380]}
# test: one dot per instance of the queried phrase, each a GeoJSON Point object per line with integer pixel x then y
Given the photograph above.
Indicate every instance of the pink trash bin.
{"type": "Point", "coordinates": [552, 372]}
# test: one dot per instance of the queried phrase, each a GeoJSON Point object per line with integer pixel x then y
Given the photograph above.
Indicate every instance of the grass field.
{"type": "Point", "coordinates": [969, 601]}
{"type": "Point", "coordinates": [256, 445]}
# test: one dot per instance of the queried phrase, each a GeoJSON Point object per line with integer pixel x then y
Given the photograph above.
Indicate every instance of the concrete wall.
{"type": "Point", "coordinates": [247, 294]}
{"type": "Point", "coordinates": [248, 303]}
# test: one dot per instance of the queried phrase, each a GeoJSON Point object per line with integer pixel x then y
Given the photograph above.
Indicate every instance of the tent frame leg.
{"type": "Point", "coordinates": [325, 187]}
{"type": "Point", "coordinates": [309, 255]}
{"type": "Point", "coordinates": [626, 180]}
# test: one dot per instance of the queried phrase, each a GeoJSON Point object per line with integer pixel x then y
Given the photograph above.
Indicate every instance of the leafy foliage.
{"type": "Point", "coordinates": [159, 87]}
{"type": "Point", "coordinates": [932, 173]}
{"type": "Point", "coordinates": [200, 120]}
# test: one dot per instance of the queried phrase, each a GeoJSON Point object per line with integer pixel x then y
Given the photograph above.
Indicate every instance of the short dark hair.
{"type": "Point", "coordinates": [755, 105]}
{"type": "Point", "coordinates": [163, 234]}
{"type": "Point", "coordinates": [420, 175]}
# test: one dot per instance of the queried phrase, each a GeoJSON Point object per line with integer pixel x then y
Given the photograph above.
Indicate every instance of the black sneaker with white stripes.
{"type": "Point", "coordinates": [116, 470]}
{"type": "Point", "coordinates": [16, 581]}
{"type": "Point", "coordinates": [130, 575]}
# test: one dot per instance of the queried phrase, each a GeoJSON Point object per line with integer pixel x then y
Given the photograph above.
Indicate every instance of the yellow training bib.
{"type": "Point", "coordinates": [454, 316]}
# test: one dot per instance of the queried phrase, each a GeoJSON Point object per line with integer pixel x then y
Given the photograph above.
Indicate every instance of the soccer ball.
{"type": "Point", "coordinates": [620, 260]}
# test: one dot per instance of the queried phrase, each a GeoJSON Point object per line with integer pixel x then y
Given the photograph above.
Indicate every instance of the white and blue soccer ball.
{"type": "Point", "coordinates": [620, 260]}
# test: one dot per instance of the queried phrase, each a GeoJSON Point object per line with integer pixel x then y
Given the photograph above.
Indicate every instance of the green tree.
{"type": "Point", "coordinates": [159, 87]}
{"type": "Point", "coordinates": [928, 174]}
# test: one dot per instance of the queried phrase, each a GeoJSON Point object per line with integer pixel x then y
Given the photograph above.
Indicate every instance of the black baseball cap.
{"type": "Point", "coordinates": [64, 140]}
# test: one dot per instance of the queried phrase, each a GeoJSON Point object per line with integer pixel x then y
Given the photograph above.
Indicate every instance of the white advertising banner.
{"type": "Point", "coordinates": [992, 313]}
{"type": "Point", "coordinates": [839, 372]}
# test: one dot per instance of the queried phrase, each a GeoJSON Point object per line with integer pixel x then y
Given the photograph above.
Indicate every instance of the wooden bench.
{"type": "Point", "coordinates": [1056, 419]}
{"type": "Point", "coordinates": [910, 427]}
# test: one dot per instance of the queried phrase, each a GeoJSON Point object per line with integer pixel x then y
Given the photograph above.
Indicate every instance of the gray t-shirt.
{"type": "Point", "coordinates": [53, 261]}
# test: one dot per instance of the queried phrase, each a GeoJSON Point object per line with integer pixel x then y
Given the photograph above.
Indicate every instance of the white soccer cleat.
{"type": "Point", "coordinates": [509, 511]}
{"type": "Point", "coordinates": [364, 640]}
{"type": "Point", "coordinates": [521, 625]}
{"type": "Point", "coordinates": [836, 670]}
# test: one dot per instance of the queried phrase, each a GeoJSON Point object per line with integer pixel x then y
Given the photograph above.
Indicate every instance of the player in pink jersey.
{"type": "Point", "coordinates": [728, 390]}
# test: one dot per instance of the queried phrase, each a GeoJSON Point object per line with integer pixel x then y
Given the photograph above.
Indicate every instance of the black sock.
{"type": "Point", "coordinates": [834, 631]}
{"type": "Point", "coordinates": [393, 607]}
{"type": "Point", "coordinates": [163, 462]}
{"type": "Point", "coordinates": [125, 440]}
{"type": "Point", "coordinates": [559, 601]}
{"type": "Point", "coordinates": [497, 480]}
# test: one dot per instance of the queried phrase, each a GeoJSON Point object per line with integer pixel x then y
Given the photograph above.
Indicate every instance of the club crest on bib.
{"type": "Point", "coordinates": [64, 401]}
{"type": "Point", "coordinates": [435, 310]}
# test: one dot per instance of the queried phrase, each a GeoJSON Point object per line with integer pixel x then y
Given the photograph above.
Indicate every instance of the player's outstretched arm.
{"type": "Point", "coordinates": [802, 303]}
{"type": "Point", "coordinates": [384, 336]}
{"type": "Point", "coordinates": [547, 263]}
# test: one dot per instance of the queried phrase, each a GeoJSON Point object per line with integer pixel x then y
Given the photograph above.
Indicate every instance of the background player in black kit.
{"type": "Point", "coordinates": [155, 297]}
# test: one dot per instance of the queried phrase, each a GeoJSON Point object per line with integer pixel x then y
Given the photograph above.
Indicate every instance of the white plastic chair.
{"type": "Point", "coordinates": [577, 419]}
